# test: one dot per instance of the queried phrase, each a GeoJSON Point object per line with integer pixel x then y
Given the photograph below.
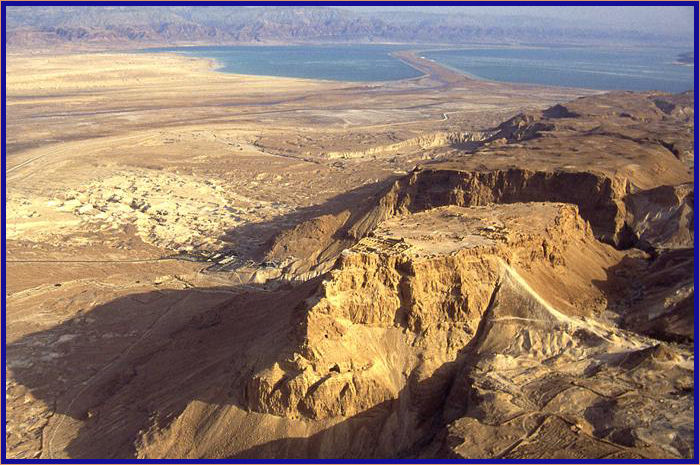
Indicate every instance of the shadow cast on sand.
{"type": "Point", "coordinates": [113, 368]}
{"type": "Point", "coordinates": [133, 365]}
{"type": "Point", "coordinates": [647, 294]}
{"type": "Point", "coordinates": [250, 241]}
{"type": "Point", "coordinates": [138, 361]}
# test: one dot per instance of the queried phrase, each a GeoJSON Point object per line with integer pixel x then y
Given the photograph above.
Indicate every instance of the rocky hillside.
{"type": "Point", "coordinates": [626, 161]}
{"type": "Point", "coordinates": [528, 299]}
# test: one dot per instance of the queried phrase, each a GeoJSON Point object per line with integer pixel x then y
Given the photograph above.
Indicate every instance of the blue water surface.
{"type": "Point", "coordinates": [339, 62]}
{"type": "Point", "coordinates": [593, 68]}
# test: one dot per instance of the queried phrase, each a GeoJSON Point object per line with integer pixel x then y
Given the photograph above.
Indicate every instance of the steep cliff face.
{"type": "Point", "coordinates": [622, 159]}
{"type": "Point", "coordinates": [398, 309]}
{"type": "Point", "coordinates": [600, 200]}
{"type": "Point", "coordinates": [474, 311]}
{"type": "Point", "coordinates": [424, 142]}
{"type": "Point", "coordinates": [477, 332]}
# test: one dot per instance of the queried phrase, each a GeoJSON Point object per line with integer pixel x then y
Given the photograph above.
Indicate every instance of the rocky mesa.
{"type": "Point", "coordinates": [527, 296]}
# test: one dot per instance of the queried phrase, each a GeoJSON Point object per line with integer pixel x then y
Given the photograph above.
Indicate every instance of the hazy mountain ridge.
{"type": "Point", "coordinates": [124, 26]}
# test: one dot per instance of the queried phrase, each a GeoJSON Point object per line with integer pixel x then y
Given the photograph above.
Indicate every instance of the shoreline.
{"type": "Point", "coordinates": [428, 67]}
{"type": "Point", "coordinates": [217, 65]}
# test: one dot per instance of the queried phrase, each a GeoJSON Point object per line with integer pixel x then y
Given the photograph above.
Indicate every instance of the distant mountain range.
{"type": "Point", "coordinates": [125, 26]}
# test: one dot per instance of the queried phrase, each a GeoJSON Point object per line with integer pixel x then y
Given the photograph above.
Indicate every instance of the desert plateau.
{"type": "Point", "coordinates": [204, 264]}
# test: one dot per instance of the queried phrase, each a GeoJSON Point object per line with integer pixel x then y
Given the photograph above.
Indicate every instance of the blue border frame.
{"type": "Point", "coordinates": [694, 4]}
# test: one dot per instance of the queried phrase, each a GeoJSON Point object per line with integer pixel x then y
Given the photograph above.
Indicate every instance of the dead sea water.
{"type": "Point", "coordinates": [593, 68]}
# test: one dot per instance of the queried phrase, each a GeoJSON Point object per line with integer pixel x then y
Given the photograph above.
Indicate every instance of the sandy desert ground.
{"type": "Point", "coordinates": [163, 217]}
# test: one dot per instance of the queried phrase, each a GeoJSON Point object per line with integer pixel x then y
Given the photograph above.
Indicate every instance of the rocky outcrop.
{"type": "Point", "coordinates": [599, 199]}
{"type": "Point", "coordinates": [393, 310]}
{"type": "Point", "coordinates": [608, 155]}
{"type": "Point", "coordinates": [506, 404]}
{"type": "Point", "coordinates": [424, 142]}
{"type": "Point", "coordinates": [473, 306]}
{"type": "Point", "coordinates": [662, 218]}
